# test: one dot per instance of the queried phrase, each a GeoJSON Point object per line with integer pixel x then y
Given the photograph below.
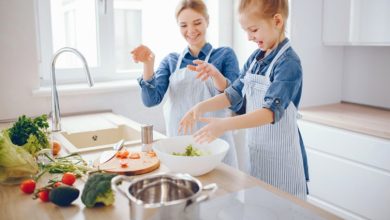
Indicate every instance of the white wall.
{"type": "Point", "coordinates": [366, 76]}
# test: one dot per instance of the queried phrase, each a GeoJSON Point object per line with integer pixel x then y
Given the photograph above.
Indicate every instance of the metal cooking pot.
{"type": "Point", "coordinates": [164, 196]}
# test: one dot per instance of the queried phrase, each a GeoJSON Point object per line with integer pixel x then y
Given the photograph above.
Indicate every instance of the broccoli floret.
{"type": "Point", "coordinates": [97, 190]}
{"type": "Point", "coordinates": [106, 198]}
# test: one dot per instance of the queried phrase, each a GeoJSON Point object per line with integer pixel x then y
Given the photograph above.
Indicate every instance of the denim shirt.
{"type": "Point", "coordinates": [285, 87]}
{"type": "Point", "coordinates": [286, 81]}
{"type": "Point", "coordinates": [153, 90]}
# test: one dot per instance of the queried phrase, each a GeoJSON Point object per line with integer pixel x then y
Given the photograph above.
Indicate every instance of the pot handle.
{"type": "Point", "coordinates": [212, 188]}
{"type": "Point", "coordinates": [117, 180]}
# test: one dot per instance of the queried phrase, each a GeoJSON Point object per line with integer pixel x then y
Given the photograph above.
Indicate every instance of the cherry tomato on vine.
{"type": "Point", "coordinates": [28, 186]}
{"type": "Point", "coordinates": [44, 195]}
{"type": "Point", "coordinates": [68, 178]}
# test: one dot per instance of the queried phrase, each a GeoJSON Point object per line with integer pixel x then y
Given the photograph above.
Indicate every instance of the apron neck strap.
{"type": "Point", "coordinates": [180, 59]}
{"type": "Point", "coordinates": [281, 51]}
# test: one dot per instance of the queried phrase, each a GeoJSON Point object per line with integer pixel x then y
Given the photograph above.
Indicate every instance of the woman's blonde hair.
{"type": "Point", "coordinates": [264, 8]}
{"type": "Point", "coordinates": [196, 5]}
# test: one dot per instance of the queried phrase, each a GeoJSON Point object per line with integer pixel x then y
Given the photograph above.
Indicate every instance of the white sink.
{"type": "Point", "coordinates": [101, 131]}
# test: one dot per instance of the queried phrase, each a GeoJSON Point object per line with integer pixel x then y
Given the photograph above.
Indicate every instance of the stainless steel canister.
{"type": "Point", "coordinates": [164, 196]}
{"type": "Point", "coordinates": [147, 137]}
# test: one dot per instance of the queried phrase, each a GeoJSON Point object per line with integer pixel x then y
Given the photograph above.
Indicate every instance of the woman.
{"type": "Point", "coordinates": [176, 75]}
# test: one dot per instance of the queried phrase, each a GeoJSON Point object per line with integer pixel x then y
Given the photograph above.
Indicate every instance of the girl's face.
{"type": "Point", "coordinates": [266, 33]}
{"type": "Point", "coordinates": [193, 26]}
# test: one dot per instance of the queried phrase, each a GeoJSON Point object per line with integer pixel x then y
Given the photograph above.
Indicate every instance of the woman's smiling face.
{"type": "Point", "coordinates": [193, 26]}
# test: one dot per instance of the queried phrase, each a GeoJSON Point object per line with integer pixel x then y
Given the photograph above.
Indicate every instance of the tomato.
{"type": "Point", "coordinates": [57, 184]}
{"type": "Point", "coordinates": [125, 154]}
{"type": "Point", "coordinates": [28, 186]}
{"type": "Point", "coordinates": [68, 178]}
{"type": "Point", "coordinates": [56, 147]}
{"type": "Point", "coordinates": [44, 195]}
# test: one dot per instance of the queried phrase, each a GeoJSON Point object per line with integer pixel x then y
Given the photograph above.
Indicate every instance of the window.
{"type": "Point", "coordinates": [104, 31]}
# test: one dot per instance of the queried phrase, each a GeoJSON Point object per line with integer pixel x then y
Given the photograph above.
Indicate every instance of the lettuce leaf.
{"type": "Point", "coordinates": [14, 160]}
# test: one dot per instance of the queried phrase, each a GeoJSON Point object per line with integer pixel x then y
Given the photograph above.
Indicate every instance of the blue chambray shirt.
{"type": "Point", "coordinates": [285, 87]}
{"type": "Point", "coordinates": [153, 90]}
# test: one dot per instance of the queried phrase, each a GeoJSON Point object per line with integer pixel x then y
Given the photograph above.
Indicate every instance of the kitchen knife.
{"type": "Point", "coordinates": [109, 154]}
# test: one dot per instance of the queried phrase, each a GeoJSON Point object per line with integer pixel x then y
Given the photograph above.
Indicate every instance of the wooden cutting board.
{"type": "Point", "coordinates": [144, 164]}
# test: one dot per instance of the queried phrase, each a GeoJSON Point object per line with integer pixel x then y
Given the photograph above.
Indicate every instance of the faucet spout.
{"type": "Point", "coordinates": [55, 106]}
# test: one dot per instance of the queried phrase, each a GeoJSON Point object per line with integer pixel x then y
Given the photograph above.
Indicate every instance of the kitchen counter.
{"type": "Point", "coordinates": [353, 117]}
{"type": "Point", "coordinates": [16, 205]}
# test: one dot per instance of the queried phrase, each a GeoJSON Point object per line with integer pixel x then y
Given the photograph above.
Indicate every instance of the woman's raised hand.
{"type": "Point", "coordinates": [142, 54]}
{"type": "Point", "coordinates": [204, 69]}
{"type": "Point", "coordinates": [187, 123]}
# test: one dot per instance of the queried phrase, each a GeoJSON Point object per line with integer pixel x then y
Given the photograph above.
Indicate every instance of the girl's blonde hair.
{"type": "Point", "coordinates": [264, 9]}
{"type": "Point", "coordinates": [196, 5]}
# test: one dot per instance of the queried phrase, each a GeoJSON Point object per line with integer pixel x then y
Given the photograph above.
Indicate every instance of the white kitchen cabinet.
{"type": "Point", "coordinates": [349, 172]}
{"type": "Point", "coordinates": [356, 22]}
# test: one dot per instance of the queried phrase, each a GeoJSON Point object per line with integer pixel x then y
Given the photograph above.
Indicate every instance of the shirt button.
{"type": "Point", "coordinates": [277, 101]}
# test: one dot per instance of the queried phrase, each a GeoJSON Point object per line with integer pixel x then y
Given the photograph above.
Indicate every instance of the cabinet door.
{"type": "Point", "coordinates": [356, 22]}
{"type": "Point", "coordinates": [349, 172]}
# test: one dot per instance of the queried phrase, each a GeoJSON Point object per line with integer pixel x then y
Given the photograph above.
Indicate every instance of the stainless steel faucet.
{"type": "Point", "coordinates": [55, 106]}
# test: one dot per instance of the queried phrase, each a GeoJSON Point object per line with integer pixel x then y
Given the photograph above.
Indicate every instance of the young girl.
{"type": "Point", "coordinates": [176, 76]}
{"type": "Point", "coordinates": [271, 81]}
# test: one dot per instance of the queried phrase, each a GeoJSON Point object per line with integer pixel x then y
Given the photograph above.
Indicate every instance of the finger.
{"type": "Point", "coordinates": [191, 67]}
{"type": "Point", "coordinates": [181, 127]}
{"type": "Point", "coordinates": [191, 128]}
{"type": "Point", "coordinates": [185, 128]}
{"type": "Point", "coordinates": [198, 62]}
{"type": "Point", "coordinates": [199, 75]}
{"type": "Point", "coordinates": [205, 77]}
{"type": "Point", "coordinates": [150, 57]}
{"type": "Point", "coordinates": [200, 138]}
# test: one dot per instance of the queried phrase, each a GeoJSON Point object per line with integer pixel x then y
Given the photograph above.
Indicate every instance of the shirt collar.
{"type": "Point", "coordinates": [268, 59]}
{"type": "Point", "coordinates": [203, 52]}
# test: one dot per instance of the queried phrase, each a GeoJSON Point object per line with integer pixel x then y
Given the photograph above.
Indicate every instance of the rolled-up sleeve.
{"type": "Point", "coordinates": [153, 90]}
{"type": "Point", "coordinates": [286, 83]}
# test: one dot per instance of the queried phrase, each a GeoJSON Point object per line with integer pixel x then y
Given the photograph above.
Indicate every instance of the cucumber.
{"type": "Point", "coordinates": [64, 195]}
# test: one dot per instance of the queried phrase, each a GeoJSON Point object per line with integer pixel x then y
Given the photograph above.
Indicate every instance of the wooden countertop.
{"type": "Point", "coordinates": [358, 118]}
{"type": "Point", "coordinates": [16, 205]}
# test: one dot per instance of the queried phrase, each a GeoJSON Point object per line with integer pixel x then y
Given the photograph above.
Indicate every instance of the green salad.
{"type": "Point", "coordinates": [191, 151]}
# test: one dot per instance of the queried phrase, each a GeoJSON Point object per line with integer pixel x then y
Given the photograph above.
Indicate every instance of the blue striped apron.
{"type": "Point", "coordinates": [183, 93]}
{"type": "Point", "coordinates": [275, 154]}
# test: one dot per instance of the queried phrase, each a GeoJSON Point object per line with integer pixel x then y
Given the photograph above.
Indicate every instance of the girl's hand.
{"type": "Point", "coordinates": [188, 121]}
{"type": "Point", "coordinates": [214, 129]}
{"type": "Point", "coordinates": [204, 69]}
{"type": "Point", "coordinates": [142, 54]}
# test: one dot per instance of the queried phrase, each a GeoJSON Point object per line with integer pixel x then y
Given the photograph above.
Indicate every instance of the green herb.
{"type": "Point", "coordinates": [191, 152]}
{"type": "Point", "coordinates": [73, 163]}
{"type": "Point", "coordinates": [30, 133]}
